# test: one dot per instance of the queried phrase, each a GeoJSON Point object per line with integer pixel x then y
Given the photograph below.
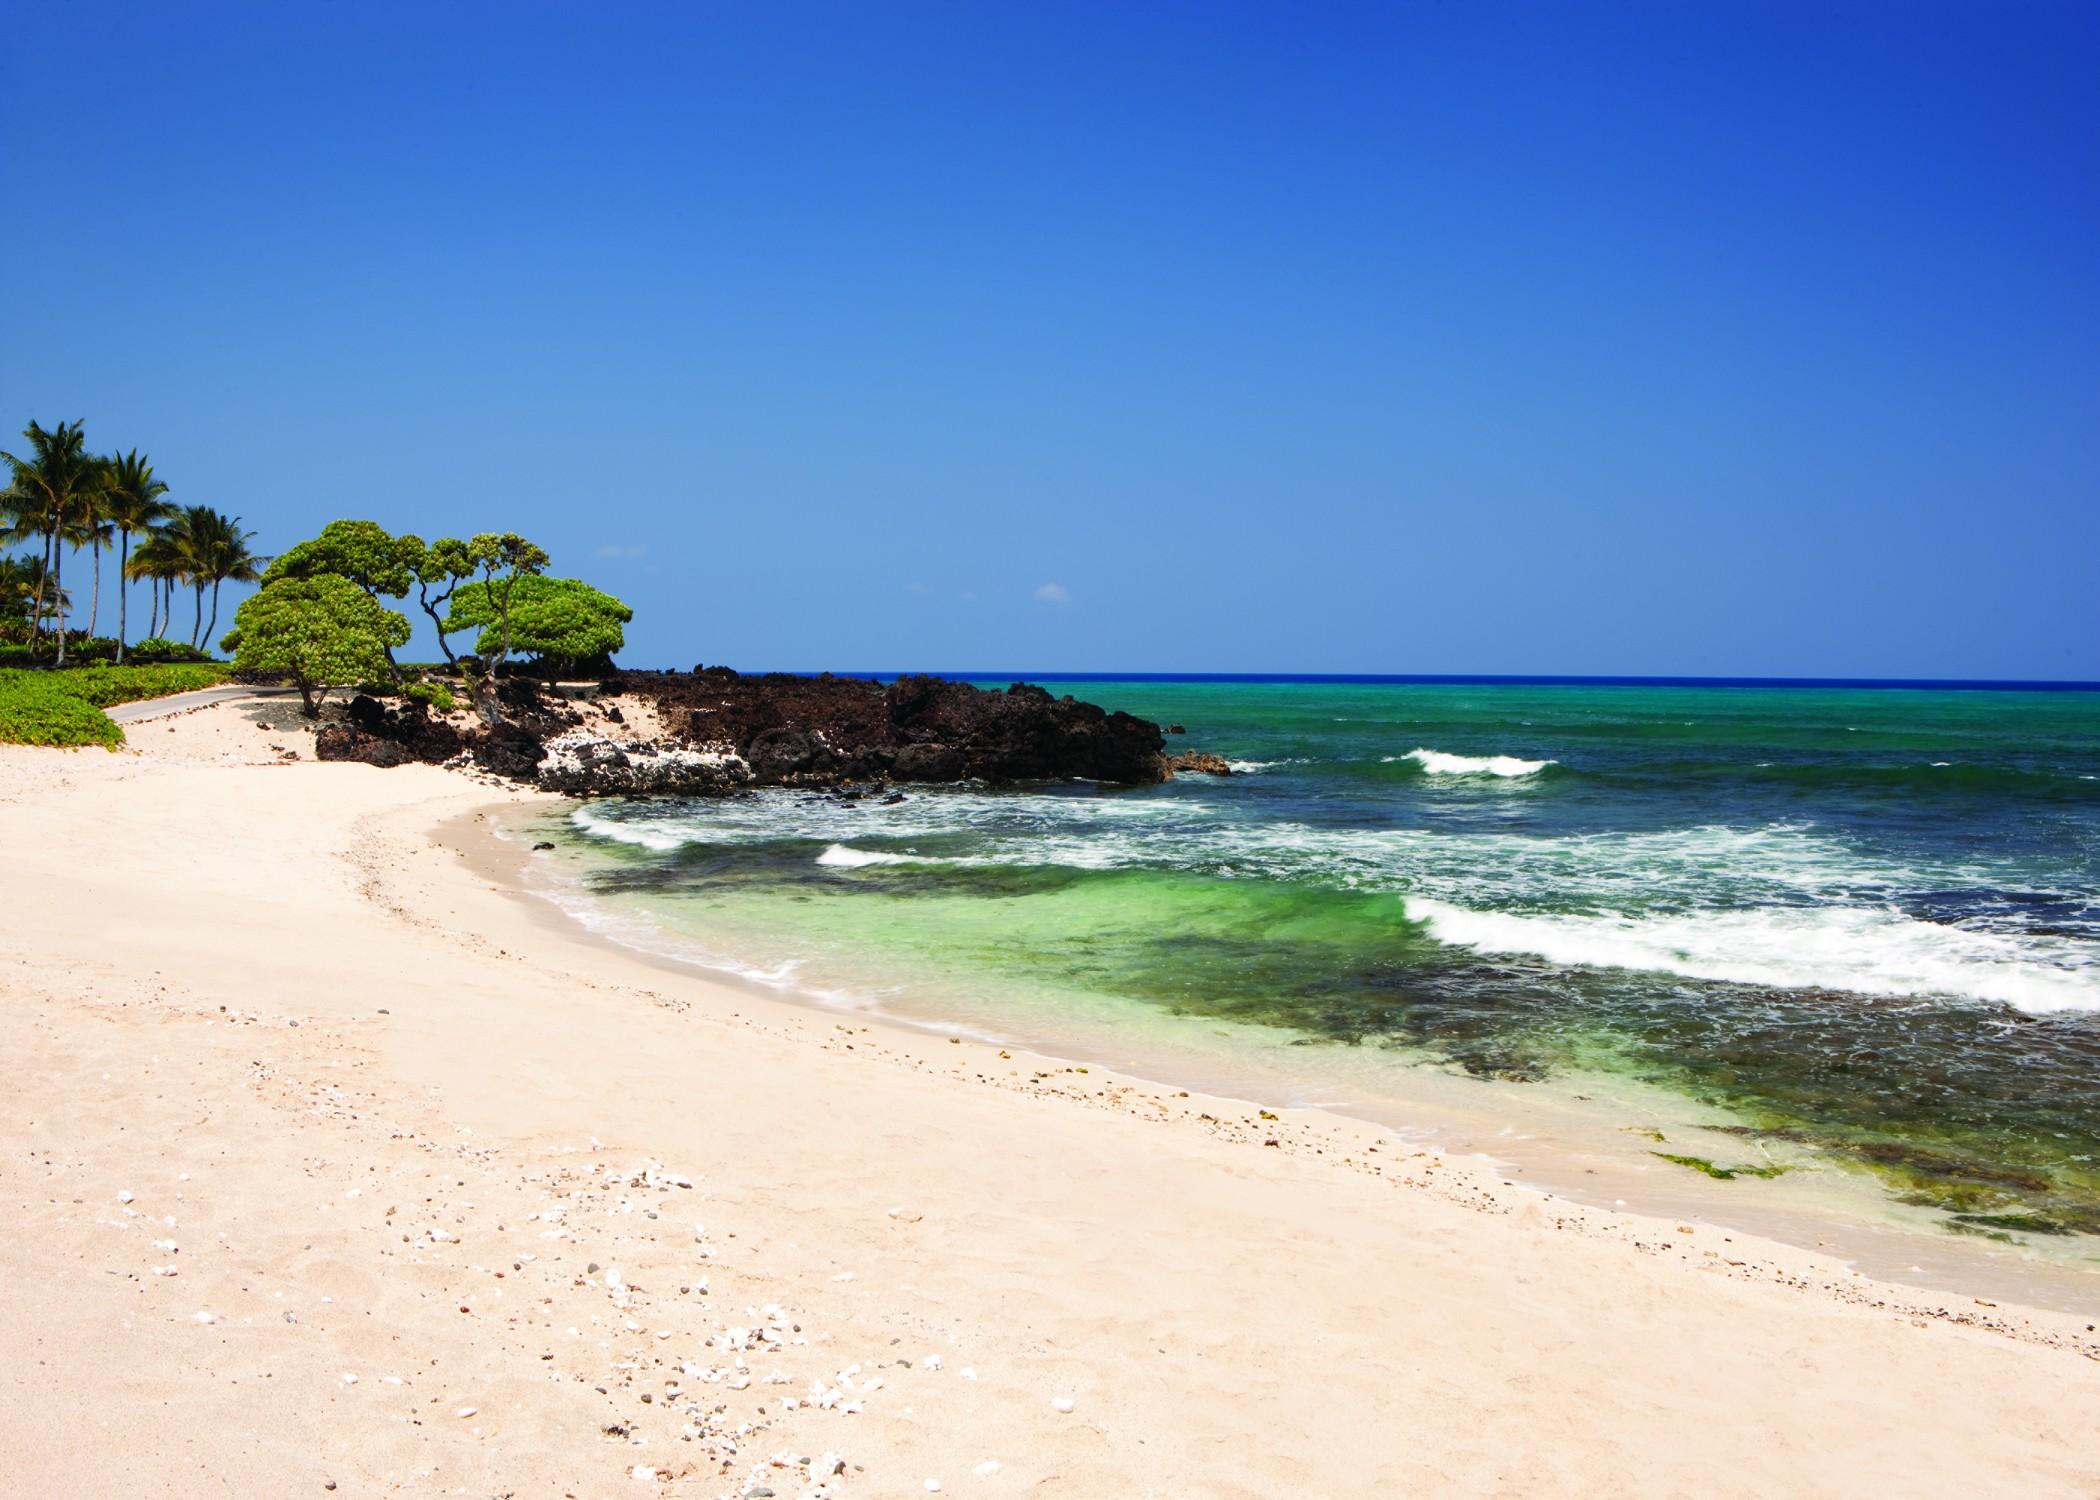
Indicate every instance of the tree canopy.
{"type": "Point", "coordinates": [318, 630]}
{"type": "Point", "coordinates": [562, 619]}
{"type": "Point", "coordinates": [364, 552]}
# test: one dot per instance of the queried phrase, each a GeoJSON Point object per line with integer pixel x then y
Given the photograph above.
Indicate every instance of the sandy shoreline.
{"type": "Point", "coordinates": [396, 1121]}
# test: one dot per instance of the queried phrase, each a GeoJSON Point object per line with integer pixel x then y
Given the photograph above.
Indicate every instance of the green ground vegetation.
{"type": "Point", "coordinates": [65, 707]}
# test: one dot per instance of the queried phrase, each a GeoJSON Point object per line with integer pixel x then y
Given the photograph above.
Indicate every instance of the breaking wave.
{"type": "Point", "coordinates": [1439, 763]}
{"type": "Point", "coordinates": [1865, 951]}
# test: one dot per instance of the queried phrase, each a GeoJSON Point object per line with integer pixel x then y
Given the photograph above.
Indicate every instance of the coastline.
{"type": "Point", "coordinates": [283, 980]}
{"type": "Point", "coordinates": [1582, 1142]}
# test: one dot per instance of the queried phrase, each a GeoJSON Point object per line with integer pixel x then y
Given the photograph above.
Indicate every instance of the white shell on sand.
{"type": "Point", "coordinates": [989, 1467]}
{"type": "Point", "coordinates": [1062, 1403]}
{"type": "Point", "coordinates": [466, 1411]}
{"type": "Point", "coordinates": [124, 1196]}
{"type": "Point", "coordinates": [206, 1317]}
{"type": "Point", "coordinates": [930, 1362]}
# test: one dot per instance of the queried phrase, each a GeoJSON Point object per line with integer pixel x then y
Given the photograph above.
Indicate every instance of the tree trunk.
{"type": "Point", "coordinates": [36, 612]}
{"type": "Point", "coordinates": [123, 592]}
{"type": "Point", "coordinates": [197, 621]}
{"type": "Point", "coordinates": [306, 696]}
{"type": "Point", "coordinates": [437, 620]}
{"type": "Point", "coordinates": [213, 630]}
{"type": "Point", "coordinates": [95, 597]}
{"type": "Point", "coordinates": [58, 591]}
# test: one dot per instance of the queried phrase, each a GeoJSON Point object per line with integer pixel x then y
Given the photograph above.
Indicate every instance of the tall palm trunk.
{"type": "Point", "coordinates": [123, 591]}
{"type": "Point", "coordinates": [95, 595]}
{"type": "Point", "coordinates": [58, 593]}
{"type": "Point", "coordinates": [36, 613]}
{"type": "Point", "coordinates": [213, 631]}
{"type": "Point", "coordinates": [197, 624]}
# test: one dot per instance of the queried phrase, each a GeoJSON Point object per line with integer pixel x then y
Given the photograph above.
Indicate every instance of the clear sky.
{"type": "Point", "coordinates": [1722, 338]}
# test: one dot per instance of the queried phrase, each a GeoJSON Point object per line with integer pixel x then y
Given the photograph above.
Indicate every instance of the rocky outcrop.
{"type": "Point", "coordinates": [1202, 762]}
{"type": "Point", "coordinates": [720, 731]}
{"type": "Point", "coordinates": [347, 742]}
{"type": "Point", "coordinates": [824, 730]}
{"type": "Point", "coordinates": [580, 762]}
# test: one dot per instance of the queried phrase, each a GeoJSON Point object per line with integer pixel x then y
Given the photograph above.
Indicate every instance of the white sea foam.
{"type": "Point", "coordinates": [1864, 950]}
{"type": "Point", "coordinates": [1438, 763]}
{"type": "Point", "coordinates": [853, 859]}
{"type": "Point", "coordinates": [1256, 767]}
{"type": "Point", "coordinates": [660, 834]}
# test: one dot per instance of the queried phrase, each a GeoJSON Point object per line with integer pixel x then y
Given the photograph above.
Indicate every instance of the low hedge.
{"type": "Point", "coordinates": [64, 707]}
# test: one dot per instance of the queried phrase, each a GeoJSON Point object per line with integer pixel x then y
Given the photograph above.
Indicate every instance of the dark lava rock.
{"type": "Point", "coordinates": [1176, 729]}
{"type": "Point", "coordinates": [347, 742]}
{"type": "Point", "coordinates": [830, 730]}
{"type": "Point", "coordinates": [1200, 761]}
{"type": "Point", "coordinates": [509, 749]}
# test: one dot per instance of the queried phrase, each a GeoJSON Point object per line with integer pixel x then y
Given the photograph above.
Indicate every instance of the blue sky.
{"type": "Point", "coordinates": [1458, 337]}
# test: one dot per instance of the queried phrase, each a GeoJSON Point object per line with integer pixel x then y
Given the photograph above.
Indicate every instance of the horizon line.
{"type": "Point", "coordinates": [1474, 679]}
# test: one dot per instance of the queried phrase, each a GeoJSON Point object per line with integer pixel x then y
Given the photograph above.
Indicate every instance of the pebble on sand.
{"type": "Point", "coordinates": [1062, 1403]}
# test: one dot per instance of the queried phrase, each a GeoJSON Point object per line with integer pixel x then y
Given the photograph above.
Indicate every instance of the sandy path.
{"type": "Point", "coordinates": [395, 1122]}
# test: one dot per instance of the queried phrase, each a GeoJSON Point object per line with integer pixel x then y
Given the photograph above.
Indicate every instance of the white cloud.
{"type": "Point", "coordinates": [611, 551]}
{"type": "Point", "coordinates": [1054, 593]}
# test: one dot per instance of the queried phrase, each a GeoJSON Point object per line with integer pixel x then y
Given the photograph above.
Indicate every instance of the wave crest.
{"type": "Point", "coordinates": [1866, 951]}
{"type": "Point", "coordinates": [1441, 763]}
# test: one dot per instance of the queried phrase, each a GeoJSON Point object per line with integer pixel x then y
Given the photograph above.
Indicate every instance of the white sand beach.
{"type": "Point", "coordinates": [332, 1165]}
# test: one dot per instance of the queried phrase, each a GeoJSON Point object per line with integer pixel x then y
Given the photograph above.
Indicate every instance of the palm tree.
{"type": "Point", "coordinates": [214, 551]}
{"type": "Point", "coordinates": [158, 561]}
{"type": "Point", "coordinates": [21, 582]}
{"type": "Point", "coordinates": [88, 527]}
{"type": "Point", "coordinates": [131, 502]}
{"type": "Point", "coordinates": [54, 483]}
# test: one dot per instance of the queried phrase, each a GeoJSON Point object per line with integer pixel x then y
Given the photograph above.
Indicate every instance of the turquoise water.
{"type": "Point", "coordinates": [1860, 925]}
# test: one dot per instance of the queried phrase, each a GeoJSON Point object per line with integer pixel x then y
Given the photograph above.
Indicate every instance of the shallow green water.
{"type": "Point", "coordinates": [1861, 922]}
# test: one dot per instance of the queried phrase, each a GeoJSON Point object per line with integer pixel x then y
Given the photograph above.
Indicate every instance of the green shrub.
{"type": "Point", "coordinates": [154, 649]}
{"type": "Point", "coordinates": [434, 695]}
{"type": "Point", "coordinates": [53, 707]}
{"type": "Point", "coordinates": [37, 709]}
{"type": "Point", "coordinates": [103, 686]}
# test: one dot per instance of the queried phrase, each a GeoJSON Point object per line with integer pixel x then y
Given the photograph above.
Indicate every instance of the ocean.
{"type": "Point", "coordinates": [1824, 931]}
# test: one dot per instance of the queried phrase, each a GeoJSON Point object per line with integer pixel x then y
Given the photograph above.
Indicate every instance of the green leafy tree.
{"type": "Point", "coordinates": [439, 568]}
{"type": "Point", "coordinates": [366, 553]}
{"type": "Point", "coordinates": [563, 620]}
{"type": "Point", "coordinates": [320, 631]}
{"type": "Point", "coordinates": [501, 559]}
{"type": "Point", "coordinates": [131, 502]}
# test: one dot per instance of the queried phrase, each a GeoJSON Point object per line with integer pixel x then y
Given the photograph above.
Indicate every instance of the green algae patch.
{"type": "Point", "coordinates": [1725, 1174]}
